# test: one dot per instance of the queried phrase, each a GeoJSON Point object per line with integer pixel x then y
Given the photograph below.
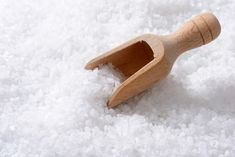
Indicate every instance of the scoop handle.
{"type": "Point", "coordinates": [198, 31]}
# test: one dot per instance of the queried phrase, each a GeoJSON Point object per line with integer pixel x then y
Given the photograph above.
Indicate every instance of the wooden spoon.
{"type": "Point", "coordinates": [149, 58]}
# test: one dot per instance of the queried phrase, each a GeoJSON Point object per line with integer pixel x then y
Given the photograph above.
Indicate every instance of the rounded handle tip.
{"type": "Point", "coordinates": [208, 25]}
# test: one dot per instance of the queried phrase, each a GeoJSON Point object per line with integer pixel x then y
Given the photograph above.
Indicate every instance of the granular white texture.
{"type": "Point", "coordinates": [51, 107]}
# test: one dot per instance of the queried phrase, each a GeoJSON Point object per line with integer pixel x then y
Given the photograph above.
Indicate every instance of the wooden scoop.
{"type": "Point", "coordinates": [149, 58]}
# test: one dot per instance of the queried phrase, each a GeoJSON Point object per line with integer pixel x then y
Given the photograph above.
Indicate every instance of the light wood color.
{"type": "Point", "coordinates": [149, 58]}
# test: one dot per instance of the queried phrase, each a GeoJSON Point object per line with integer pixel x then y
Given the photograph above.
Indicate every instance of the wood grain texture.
{"type": "Point", "coordinates": [149, 58]}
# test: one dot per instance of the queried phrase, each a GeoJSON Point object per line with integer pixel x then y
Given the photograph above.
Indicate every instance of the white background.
{"type": "Point", "coordinates": [51, 107]}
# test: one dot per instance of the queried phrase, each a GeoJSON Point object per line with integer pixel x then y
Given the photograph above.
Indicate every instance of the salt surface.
{"type": "Point", "coordinates": [50, 106]}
